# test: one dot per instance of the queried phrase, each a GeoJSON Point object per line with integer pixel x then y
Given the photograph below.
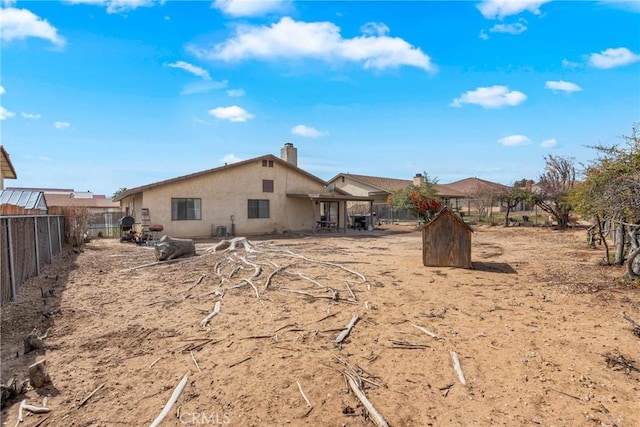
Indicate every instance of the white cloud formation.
{"type": "Point", "coordinates": [630, 5]}
{"type": "Point", "coordinates": [306, 131]}
{"type": "Point", "coordinates": [499, 9]}
{"type": "Point", "coordinates": [61, 125]}
{"type": "Point", "coordinates": [6, 114]}
{"type": "Point", "coordinates": [30, 116]}
{"type": "Point", "coordinates": [18, 24]}
{"type": "Point", "coordinates": [512, 140]}
{"type": "Point", "coordinates": [561, 85]}
{"type": "Point", "coordinates": [517, 28]}
{"type": "Point", "coordinates": [2, 90]}
{"type": "Point", "coordinates": [190, 68]}
{"type": "Point", "coordinates": [250, 7]}
{"type": "Point", "coordinates": [317, 40]}
{"type": "Point", "coordinates": [118, 6]}
{"type": "Point", "coordinates": [483, 35]}
{"type": "Point", "coordinates": [231, 158]}
{"type": "Point", "coordinates": [233, 114]}
{"type": "Point", "coordinates": [203, 86]}
{"type": "Point", "coordinates": [569, 64]}
{"type": "Point", "coordinates": [235, 93]}
{"type": "Point", "coordinates": [613, 57]}
{"type": "Point", "coordinates": [548, 143]}
{"type": "Point", "coordinates": [374, 29]}
{"type": "Point", "coordinates": [490, 97]}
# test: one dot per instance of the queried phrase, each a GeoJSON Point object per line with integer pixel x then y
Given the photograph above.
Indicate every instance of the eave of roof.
{"type": "Point", "coordinates": [8, 171]}
{"type": "Point", "coordinates": [451, 213]}
{"type": "Point", "coordinates": [218, 169]}
{"type": "Point", "coordinates": [330, 196]}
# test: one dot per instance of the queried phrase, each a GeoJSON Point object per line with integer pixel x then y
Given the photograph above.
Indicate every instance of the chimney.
{"type": "Point", "coordinates": [289, 153]}
{"type": "Point", "coordinates": [417, 180]}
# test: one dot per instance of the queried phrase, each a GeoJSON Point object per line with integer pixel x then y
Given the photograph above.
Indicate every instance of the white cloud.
{"type": "Point", "coordinates": [563, 86]}
{"type": "Point", "coordinates": [548, 143]}
{"type": "Point", "coordinates": [483, 35]}
{"type": "Point", "coordinates": [490, 97]}
{"type": "Point", "coordinates": [512, 140]}
{"type": "Point", "coordinates": [630, 5]}
{"type": "Point", "coordinates": [20, 24]}
{"type": "Point", "coordinates": [61, 125]}
{"type": "Point", "coordinates": [231, 158]}
{"type": "Point", "coordinates": [193, 69]}
{"type": "Point", "coordinates": [203, 86]}
{"type": "Point", "coordinates": [318, 40]}
{"type": "Point", "coordinates": [30, 116]}
{"type": "Point", "coordinates": [611, 58]}
{"type": "Point", "coordinates": [306, 131]}
{"type": "Point", "coordinates": [118, 6]}
{"type": "Point", "coordinates": [2, 90]}
{"type": "Point", "coordinates": [492, 9]}
{"type": "Point", "coordinates": [235, 93]}
{"type": "Point", "coordinates": [250, 7]}
{"type": "Point", "coordinates": [374, 29]}
{"type": "Point", "coordinates": [233, 114]}
{"type": "Point", "coordinates": [6, 114]}
{"type": "Point", "coordinates": [569, 64]}
{"type": "Point", "coordinates": [517, 28]}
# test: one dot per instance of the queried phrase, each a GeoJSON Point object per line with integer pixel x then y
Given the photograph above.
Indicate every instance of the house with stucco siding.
{"type": "Point", "coordinates": [266, 194]}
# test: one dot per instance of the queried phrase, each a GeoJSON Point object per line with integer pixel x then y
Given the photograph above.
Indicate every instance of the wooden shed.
{"type": "Point", "coordinates": [446, 241]}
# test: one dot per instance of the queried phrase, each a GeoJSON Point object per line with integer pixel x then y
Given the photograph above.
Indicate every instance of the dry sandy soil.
{"type": "Point", "coordinates": [536, 325]}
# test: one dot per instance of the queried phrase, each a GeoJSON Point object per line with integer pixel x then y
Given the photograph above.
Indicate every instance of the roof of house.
{"type": "Point", "coordinates": [66, 200]}
{"type": "Point", "coordinates": [446, 211]}
{"type": "Point", "coordinates": [8, 170]}
{"type": "Point", "coordinates": [474, 185]}
{"type": "Point", "coordinates": [392, 184]}
{"type": "Point", "coordinates": [221, 168]}
{"type": "Point", "coordinates": [24, 199]}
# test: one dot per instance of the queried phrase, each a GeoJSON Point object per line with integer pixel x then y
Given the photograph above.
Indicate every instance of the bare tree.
{"type": "Point", "coordinates": [555, 185]}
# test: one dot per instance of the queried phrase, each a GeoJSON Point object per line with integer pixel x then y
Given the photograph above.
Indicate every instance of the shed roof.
{"type": "Point", "coordinates": [8, 170]}
{"type": "Point", "coordinates": [24, 199]}
{"type": "Point", "coordinates": [446, 211]}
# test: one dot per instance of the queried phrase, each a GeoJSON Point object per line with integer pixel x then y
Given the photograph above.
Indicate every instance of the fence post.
{"type": "Point", "coordinates": [35, 226]}
{"type": "Point", "coordinates": [50, 245]}
{"type": "Point", "coordinates": [59, 235]}
{"type": "Point", "coordinates": [12, 267]}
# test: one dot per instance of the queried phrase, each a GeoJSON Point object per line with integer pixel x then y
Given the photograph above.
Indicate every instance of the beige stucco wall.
{"type": "Point", "coordinates": [226, 192]}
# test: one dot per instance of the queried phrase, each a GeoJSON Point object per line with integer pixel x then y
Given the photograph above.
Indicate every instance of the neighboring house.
{"type": "Point", "coordinates": [60, 198]}
{"type": "Point", "coordinates": [96, 214]}
{"type": "Point", "coordinates": [482, 195]}
{"type": "Point", "coordinates": [95, 204]}
{"type": "Point", "coordinates": [380, 189]}
{"type": "Point", "coordinates": [18, 202]}
{"type": "Point", "coordinates": [6, 167]}
{"type": "Point", "coordinates": [262, 195]}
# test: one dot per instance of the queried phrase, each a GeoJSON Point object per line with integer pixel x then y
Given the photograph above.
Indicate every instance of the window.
{"type": "Point", "coordinates": [267, 186]}
{"type": "Point", "coordinates": [258, 208]}
{"type": "Point", "coordinates": [185, 209]}
{"type": "Point", "coordinates": [267, 163]}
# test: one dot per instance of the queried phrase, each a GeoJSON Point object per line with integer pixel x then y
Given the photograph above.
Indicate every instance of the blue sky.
{"type": "Point", "coordinates": [101, 94]}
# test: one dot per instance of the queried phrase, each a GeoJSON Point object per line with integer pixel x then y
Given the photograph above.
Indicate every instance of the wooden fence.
{"type": "Point", "coordinates": [27, 242]}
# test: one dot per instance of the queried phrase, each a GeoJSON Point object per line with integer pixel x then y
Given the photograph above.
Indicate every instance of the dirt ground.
{"type": "Point", "coordinates": [537, 327]}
